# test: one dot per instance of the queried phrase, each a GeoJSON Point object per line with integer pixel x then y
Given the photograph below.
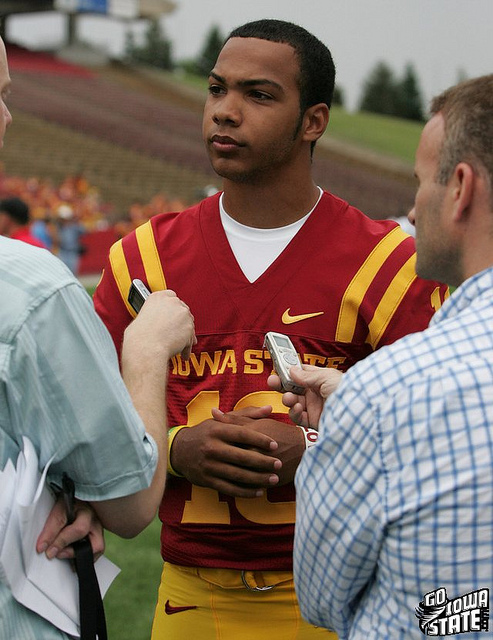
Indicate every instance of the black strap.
{"type": "Point", "coordinates": [92, 618]}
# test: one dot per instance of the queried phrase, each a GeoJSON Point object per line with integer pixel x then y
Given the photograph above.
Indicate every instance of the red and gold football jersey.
{"type": "Point", "coordinates": [344, 286]}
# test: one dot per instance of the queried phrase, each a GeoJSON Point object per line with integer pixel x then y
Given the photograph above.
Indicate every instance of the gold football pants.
{"type": "Point", "coordinates": [224, 604]}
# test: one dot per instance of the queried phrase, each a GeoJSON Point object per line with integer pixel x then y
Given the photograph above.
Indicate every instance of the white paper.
{"type": "Point", "coordinates": [48, 587]}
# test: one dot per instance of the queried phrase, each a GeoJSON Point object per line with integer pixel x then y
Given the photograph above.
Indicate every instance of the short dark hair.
{"type": "Point", "coordinates": [16, 208]}
{"type": "Point", "coordinates": [317, 71]}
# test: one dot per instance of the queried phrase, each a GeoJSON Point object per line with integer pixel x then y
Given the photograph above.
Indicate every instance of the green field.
{"type": "Point", "coordinates": [382, 134]}
{"type": "Point", "coordinates": [130, 601]}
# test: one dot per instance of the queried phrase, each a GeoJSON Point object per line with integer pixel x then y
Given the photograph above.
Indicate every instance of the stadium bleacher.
{"type": "Point", "coordinates": [105, 111]}
{"type": "Point", "coordinates": [132, 136]}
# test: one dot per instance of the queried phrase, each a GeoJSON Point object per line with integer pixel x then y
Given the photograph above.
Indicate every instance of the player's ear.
{"type": "Point", "coordinates": [315, 121]}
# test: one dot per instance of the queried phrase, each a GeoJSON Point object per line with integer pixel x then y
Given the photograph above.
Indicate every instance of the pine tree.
{"type": "Point", "coordinates": [380, 91]}
{"type": "Point", "coordinates": [409, 101]}
{"type": "Point", "coordinates": [156, 50]}
{"type": "Point", "coordinates": [129, 45]}
{"type": "Point", "coordinates": [210, 51]}
{"type": "Point", "coordinates": [338, 97]}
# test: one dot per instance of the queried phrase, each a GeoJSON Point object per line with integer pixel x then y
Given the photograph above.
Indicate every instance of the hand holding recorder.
{"type": "Point", "coordinates": [317, 384]}
{"type": "Point", "coordinates": [284, 357]}
{"type": "Point", "coordinates": [164, 324]}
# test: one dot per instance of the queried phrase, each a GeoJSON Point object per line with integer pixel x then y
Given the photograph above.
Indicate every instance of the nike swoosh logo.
{"type": "Point", "coordinates": [289, 319]}
{"type": "Point", "coordinates": [170, 610]}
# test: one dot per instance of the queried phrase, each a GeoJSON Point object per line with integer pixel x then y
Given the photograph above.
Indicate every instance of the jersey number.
{"type": "Point", "coordinates": [205, 506]}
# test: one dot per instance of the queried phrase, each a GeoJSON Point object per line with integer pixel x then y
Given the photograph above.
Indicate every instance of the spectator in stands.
{"type": "Point", "coordinates": [44, 230]}
{"type": "Point", "coordinates": [14, 222]}
{"type": "Point", "coordinates": [69, 234]}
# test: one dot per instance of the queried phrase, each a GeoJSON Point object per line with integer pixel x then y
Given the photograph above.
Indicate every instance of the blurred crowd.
{"type": "Point", "coordinates": [140, 212]}
{"type": "Point", "coordinates": [44, 198]}
{"type": "Point", "coordinates": [58, 217]}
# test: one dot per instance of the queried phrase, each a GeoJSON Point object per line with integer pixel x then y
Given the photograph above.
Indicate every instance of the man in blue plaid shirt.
{"type": "Point", "coordinates": [394, 534]}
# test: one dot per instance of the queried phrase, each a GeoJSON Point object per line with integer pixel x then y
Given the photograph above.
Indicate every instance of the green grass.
{"type": "Point", "coordinates": [197, 82]}
{"type": "Point", "coordinates": [130, 601]}
{"type": "Point", "coordinates": [383, 134]}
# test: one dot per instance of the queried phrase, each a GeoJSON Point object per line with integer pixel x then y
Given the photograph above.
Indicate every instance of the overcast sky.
{"type": "Point", "coordinates": [442, 38]}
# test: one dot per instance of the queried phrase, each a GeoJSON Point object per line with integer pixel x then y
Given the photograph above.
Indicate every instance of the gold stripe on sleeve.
{"type": "Point", "coordinates": [391, 300]}
{"type": "Point", "coordinates": [150, 257]}
{"type": "Point", "coordinates": [121, 273]}
{"type": "Point", "coordinates": [354, 294]}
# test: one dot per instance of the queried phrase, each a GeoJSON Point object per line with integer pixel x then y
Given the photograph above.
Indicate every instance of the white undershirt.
{"type": "Point", "coordinates": [256, 249]}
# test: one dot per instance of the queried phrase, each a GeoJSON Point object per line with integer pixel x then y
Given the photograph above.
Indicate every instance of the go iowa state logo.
{"type": "Point", "coordinates": [439, 616]}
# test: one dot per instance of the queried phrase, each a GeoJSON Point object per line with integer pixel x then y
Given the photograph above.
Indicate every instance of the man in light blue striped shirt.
{"type": "Point", "coordinates": [60, 387]}
{"type": "Point", "coordinates": [394, 523]}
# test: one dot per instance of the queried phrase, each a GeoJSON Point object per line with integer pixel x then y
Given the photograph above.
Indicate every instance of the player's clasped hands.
{"type": "Point", "coordinates": [235, 461]}
{"type": "Point", "coordinates": [319, 383]}
{"type": "Point", "coordinates": [259, 452]}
